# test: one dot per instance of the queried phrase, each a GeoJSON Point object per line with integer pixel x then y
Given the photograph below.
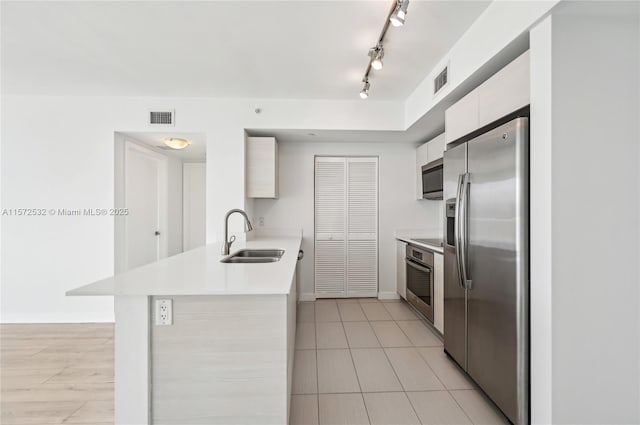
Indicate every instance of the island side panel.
{"type": "Point", "coordinates": [132, 401]}
{"type": "Point", "coordinates": [223, 360]}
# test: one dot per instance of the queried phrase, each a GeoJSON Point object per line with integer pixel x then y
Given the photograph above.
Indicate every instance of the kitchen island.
{"type": "Point", "coordinates": [226, 357]}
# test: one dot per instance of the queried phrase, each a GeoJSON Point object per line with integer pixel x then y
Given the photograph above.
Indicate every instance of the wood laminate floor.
{"type": "Point", "coordinates": [56, 374]}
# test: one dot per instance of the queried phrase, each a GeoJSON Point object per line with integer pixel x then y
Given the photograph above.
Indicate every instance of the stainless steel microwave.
{"type": "Point", "coordinates": [432, 179]}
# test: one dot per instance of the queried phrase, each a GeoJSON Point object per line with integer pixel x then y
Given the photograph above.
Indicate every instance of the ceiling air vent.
{"type": "Point", "coordinates": [441, 80]}
{"type": "Point", "coordinates": [165, 117]}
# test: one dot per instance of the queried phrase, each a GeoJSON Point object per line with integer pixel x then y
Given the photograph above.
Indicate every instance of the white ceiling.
{"type": "Point", "coordinates": [197, 151]}
{"type": "Point", "coordinates": [240, 49]}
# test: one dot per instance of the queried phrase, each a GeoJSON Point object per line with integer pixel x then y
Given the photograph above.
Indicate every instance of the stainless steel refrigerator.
{"type": "Point", "coordinates": [486, 261]}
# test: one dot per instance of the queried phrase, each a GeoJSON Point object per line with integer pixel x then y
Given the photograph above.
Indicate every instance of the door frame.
{"type": "Point", "coordinates": [186, 206]}
{"type": "Point", "coordinates": [123, 149]}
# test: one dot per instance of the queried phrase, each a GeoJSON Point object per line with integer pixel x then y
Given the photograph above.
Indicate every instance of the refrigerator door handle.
{"type": "Point", "coordinates": [457, 232]}
{"type": "Point", "coordinates": [464, 188]}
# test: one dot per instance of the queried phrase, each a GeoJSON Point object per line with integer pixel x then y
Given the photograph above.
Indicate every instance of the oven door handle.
{"type": "Point", "coordinates": [417, 266]}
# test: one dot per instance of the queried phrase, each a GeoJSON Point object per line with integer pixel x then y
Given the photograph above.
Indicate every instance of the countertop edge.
{"type": "Point", "coordinates": [285, 275]}
{"type": "Point", "coordinates": [432, 248]}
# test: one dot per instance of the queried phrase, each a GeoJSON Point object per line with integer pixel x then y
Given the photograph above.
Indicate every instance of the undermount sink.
{"type": "Point", "coordinates": [254, 256]}
{"type": "Point", "coordinates": [250, 260]}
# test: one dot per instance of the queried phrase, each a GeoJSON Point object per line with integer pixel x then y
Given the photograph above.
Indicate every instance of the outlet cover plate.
{"type": "Point", "coordinates": [164, 312]}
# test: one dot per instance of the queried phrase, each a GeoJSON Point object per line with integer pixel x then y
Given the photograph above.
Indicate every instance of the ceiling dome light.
{"type": "Point", "coordinates": [399, 14]}
{"type": "Point", "coordinates": [364, 93]}
{"type": "Point", "coordinates": [376, 53]}
{"type": "Point", "coordinates": [176, 143]}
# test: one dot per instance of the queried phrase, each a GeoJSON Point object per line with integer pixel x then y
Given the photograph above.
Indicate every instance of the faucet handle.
{"type": "Point", "coordinates": [232, 239]}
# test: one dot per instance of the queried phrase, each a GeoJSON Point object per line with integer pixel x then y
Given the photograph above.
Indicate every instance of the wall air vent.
{"type": "Point", "coordinates": [164, 117]}
{"type": "Point", "coordinates": [441, 80]}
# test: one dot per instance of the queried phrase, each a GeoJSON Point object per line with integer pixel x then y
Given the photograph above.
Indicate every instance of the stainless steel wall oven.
{"type": "Point", "coordinates": [419, 263]}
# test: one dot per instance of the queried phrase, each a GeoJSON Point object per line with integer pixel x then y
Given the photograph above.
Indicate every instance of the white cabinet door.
{"type": "Point", "coordinates": [435, 148]}
{"type": "Point", "coordinates": [422, 157]}
{"type": "Point", "coordinates": [261, 167]}
{"type": "Point", "coordinates": [505, 92]}
{"type": "Point", "coordinates": [462, 117]}
{"type": "Point", "coordinates": [401, 269]}
{"type": "Point", "coordinates": [438, 291]}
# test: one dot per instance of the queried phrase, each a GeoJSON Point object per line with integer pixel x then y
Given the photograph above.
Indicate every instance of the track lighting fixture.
{"type": "Point", "coordinates": [364, 93]}
{"type": "Point", "coordinates": [400, 12]}
{"type": "Point", "coordinates": [376, 54]}
{"type": "Point", "coordinates": [396, 18]}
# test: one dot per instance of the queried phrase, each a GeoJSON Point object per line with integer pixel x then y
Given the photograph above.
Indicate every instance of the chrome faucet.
{"type": "Point", "coordinates": [228, 241]}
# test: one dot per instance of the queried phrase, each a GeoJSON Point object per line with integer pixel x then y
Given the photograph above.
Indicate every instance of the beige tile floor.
{"type": "Point", "coordinates": [364, 361]}
{"type": "Point", "coordinates": [356, 362]}
{"type": "Point", "coordinates": [56, 374]}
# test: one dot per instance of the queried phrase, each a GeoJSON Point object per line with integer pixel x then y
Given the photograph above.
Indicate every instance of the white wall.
{"type": "Point", "coordinates": [58, 152]}
{"type": "Point", "coordinates": [397, 205]}
{"type": "Point", "coordinates": [585, 147]}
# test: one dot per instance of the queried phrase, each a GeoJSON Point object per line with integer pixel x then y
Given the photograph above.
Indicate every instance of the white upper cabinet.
{"type": "Point", "coordinates": [503, 93]}
{"type": "Point", "coordinates": [435, 148]}
{"type": "Point", "coordinates": [261, 167]}
{"type": "Point", "coordinates": [462, 117]}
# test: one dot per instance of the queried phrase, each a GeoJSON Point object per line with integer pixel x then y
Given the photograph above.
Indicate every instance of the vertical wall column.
{"type": "Point", "coordinates": [585, 197]}
{"type": "Point", "coordinates": [541, 249]}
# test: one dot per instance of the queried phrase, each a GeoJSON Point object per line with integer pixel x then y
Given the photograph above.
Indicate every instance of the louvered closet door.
{"type": "Point", "coordinates": [330, 227]}
{"type": "Point", "coordinates": [346, 227]}
{"type": "Point", "coordinates": [362, 227]}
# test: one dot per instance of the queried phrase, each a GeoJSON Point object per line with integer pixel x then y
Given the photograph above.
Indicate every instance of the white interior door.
{"type": "Point", "coordinates": [145, 172]}
{"type": "Point", "coordinates": [346, 227]}
{"type": "Point", "coordinates": [194, 205]}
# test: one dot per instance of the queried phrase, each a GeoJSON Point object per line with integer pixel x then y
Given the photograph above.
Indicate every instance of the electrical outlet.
{"type": "Point", "coordinates": [261, 221]}
{"type": "Point", "coordinates": [164, 313]}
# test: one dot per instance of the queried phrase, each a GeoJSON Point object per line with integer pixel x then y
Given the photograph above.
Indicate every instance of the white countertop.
{"type": "Point", "coordinates": [433, 248]}
{"type": "Point", "coordinates": [200, 272]}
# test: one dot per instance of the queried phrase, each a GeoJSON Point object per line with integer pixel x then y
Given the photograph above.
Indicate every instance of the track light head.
{"type": "Point", "coordinates": [376, 54]}
{"type": "Point", "coordinates": [399, 14]}
{"type": "Point", "coordinates": [364, 93]}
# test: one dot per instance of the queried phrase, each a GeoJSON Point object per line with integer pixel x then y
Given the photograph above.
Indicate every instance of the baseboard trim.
{"type": "Point", "coordinates": [307, 297]}
{"type": "Point", "coordinates": [388, 296]}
